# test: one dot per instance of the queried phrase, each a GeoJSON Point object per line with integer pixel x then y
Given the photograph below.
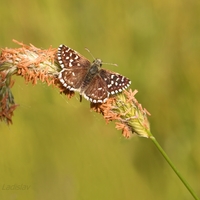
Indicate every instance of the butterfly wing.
{"type": "Point", "coordinates": [96, 91]}
{"type": "Point", "coordinates": [74, 67]}
{"type": "Point", "coordinates": [104, 84]}
{"type": "Point", "coordinates": [115, 82]}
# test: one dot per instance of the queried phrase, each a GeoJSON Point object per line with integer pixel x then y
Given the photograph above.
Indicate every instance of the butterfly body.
{"type": "Point", "coordinates": [89, 79]}
{"type": "Point", "coordinates": [92, 72]}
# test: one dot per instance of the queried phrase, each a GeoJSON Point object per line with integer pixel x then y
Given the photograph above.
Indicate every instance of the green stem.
{"type": "Point", "coordinates": [172, 166]}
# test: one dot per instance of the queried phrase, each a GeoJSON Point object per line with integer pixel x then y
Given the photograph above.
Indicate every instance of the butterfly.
{"type": "Point", "coordinates": [89, 79]}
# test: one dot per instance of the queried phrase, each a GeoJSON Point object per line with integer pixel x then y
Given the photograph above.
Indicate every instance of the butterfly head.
{"type": "Point", "coordinates": [97, 62]}
{"type": "Point", "coordinates": [95, 66]}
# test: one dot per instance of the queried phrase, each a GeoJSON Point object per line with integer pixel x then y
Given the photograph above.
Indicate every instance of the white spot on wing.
{"type": "Point", "coordinates": [112, 76]}
{"type": "Point", "coordinates": [112, 92]}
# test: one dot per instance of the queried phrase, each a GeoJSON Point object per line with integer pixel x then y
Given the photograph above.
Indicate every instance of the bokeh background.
{"type": "Point", "coordinates": [60, 148]}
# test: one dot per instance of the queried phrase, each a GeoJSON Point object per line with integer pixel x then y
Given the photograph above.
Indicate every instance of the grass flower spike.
{"type": "Point", "coordinates": [127, 113]}
{"type": "Point", "coordinates": [54, 67]}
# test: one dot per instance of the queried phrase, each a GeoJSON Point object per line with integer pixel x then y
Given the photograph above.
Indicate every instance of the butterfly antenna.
{"type": "Point", "coordinates": [90, 53]}
{"type": "Point", "coordinates": [102, 62]}
{"type": "Point", "coordinates": [110, 64]}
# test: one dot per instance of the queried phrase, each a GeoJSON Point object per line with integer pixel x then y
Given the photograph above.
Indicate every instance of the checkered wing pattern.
{"type": "Point", "coordinates": [105, 83]}
{"type": "Point", "coordinates": [74, 67]}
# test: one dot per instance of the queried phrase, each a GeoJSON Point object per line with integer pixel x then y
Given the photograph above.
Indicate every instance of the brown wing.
{"type": "Point", "coordinates": [115, 82]}
{"type": "Point", "coordinates": [96, 91]}
{"type": "Point", "coordinates": [74, 67]}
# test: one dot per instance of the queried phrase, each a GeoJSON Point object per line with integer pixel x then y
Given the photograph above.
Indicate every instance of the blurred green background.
{"type": "Point", "coordinates": [59, 147]}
